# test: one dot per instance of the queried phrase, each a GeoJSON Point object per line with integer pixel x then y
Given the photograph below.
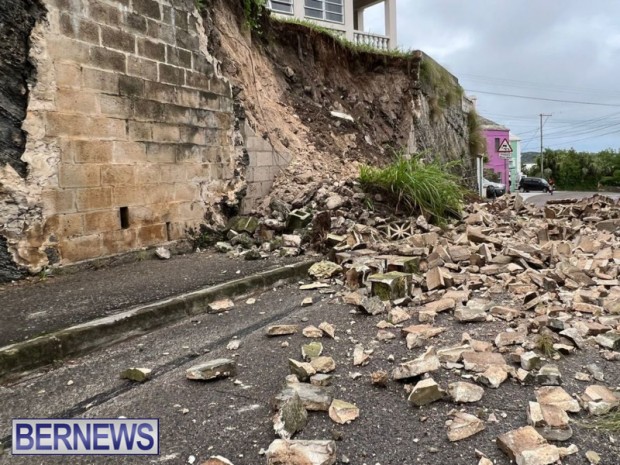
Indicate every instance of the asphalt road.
{"type": "Point", "coordinates": [232, 417]}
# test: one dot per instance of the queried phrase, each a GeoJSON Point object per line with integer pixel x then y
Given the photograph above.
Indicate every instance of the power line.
{"type": "Point", "coordinates": [576, 102]}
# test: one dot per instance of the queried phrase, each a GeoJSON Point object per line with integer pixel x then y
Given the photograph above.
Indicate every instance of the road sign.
{"type": "Point", "coordinates": [505, 155]}
{"type": "Point", "coordinates": [504, 147]}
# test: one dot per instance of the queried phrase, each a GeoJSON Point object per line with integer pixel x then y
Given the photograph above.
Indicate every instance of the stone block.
{"type": "Point", "coordinates": [81, 248]}
{"type": "Point", "coordinates": [171, 74]}
{"type": "Point", "coordinates": [66, 49]}
{"type": "Point", "coordinates": [79, 176]}
{"type": "Point", "coordinates": [78, 28]}
{"type": "Point", "coordinates": [59, 125]}
{"type": "Point", "coordinates": [145, 69]}
{"type": "Point", "coordinates": [173, 173]}
{"type": "Point", "coordinates": [151, 49]}
{"type": "Point", "coordinates": [68, 75]}
{"type": "Point", "coordinates": [119, 241]}
{"type": "Point", "coordinates": [105, 13]}
{"type": "Point", "coordinates": [71, 225]}
{"type": "Point", "coordinates": [166, 133]}
{"type": "Point", "coordinates": [107, 59]}
{"type": "Point", "coordinates": [186, 192]}
{"type": "Point", "coordinates": [135, 23]}
{"type": "Point", "coordinates": [103, 81]}
{"type": "Point", "coordinates": [129, 195]}
{"type": "Point", "coordinates": [94, 199]}
{"type": "Point", "coordinates": [161, 153]}
{"type": "Point", "coordinates": [152, 234]}
{"type": "Point", "coordinates": [148, 8]}
{"type": "Point", "coordinates": [118, 40]}
{"type": "Point", "coordinates": [76, 102]}
{"type": "Point", "coordinates": [129, 86]}
{"type": "Point", "coordinates": [58, 201]}
{"type": "Point", "coordinates": [209, 101]}
{"type": "Point", "coordinates": [178, 57]}
{"type": "Point", "coordinates": [117, 175]}
{"type": "Point", "coordinates": [88, 151]}
{"type": "Point", "coordinates": [101, 221]}
{"type": "Point", "coordinates": [111, 105]}
{"type": "Point", "coordinates": [390, 286]}
{"type": "Point", "coordinates": [198, 80]}
{"type": "Point", "coordinates": [130, 153]}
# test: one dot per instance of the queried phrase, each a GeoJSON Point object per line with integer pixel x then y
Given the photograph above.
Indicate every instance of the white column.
{"type": "Point", "coordinates": [390, 21]}
{"type": "Point", "coordinates": [360, 19]}
{"type": "Point", "coordinates": [349, 20]}
{"type": "Point", "coordinates": [298, 8]}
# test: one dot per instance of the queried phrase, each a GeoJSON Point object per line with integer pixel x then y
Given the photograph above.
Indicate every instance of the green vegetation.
{"type": "Point", "coordinates": [609, 422]}
{"type": "Point", "coordinates": [477, 143]}
{"type": "Point", "coordinates": [253, 11]}
{"type": "Point", "coordinates": [200, 4]}
{"type": "Point", "coordinates": [352, 46]}
{"type": "Point", "coordinates": [417, 187]}
{"type": "Point", "coordinates": [545, 345]}
{"type": "Point", "coordinates": [446, 90]}
{"type": "Point", "coordinates": [572, 170]}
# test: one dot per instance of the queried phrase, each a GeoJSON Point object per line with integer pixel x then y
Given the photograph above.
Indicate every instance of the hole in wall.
{"type": "Point", "coordinates": [124, 211]}
{"type": "Point", "coordinates": [168, 230]}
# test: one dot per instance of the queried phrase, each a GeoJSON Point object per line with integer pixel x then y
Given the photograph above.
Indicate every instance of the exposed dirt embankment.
{"type": "Point", "coordinates": [290, 78]}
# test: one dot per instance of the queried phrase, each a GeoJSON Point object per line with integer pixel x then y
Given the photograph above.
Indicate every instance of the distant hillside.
{"type": "Point", "coordinates": [529, 157]}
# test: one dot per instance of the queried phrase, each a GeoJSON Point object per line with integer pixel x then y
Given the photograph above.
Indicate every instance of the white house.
{"type": "Point", "coordinates": [344, 16]}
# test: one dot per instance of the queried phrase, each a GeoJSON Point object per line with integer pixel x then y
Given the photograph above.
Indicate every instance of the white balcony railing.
{"type": "Point", "coordinates": [372, 40]}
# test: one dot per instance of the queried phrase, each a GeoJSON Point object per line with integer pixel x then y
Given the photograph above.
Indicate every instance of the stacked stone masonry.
{"type": "Point", "coordinates": [129, 129]}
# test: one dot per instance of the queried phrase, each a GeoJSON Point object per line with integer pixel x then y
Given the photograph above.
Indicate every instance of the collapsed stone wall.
{"type": "Point", "coordinates": [129, 127]}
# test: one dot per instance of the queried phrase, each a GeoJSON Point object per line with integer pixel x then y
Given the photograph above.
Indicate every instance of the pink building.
{"type": "Point", "coordinates": [497, 138]}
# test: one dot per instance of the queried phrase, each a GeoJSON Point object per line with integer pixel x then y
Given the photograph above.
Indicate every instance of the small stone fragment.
{"type": "Point", "coordinates": [360, 358]}
{"type": "Point", "coordinates": [379, 378]}
{"type": "Point", "coordinates": [530, 361]}
{"type": "Point", "coordinates": [323, 364]}
{"type": "Point", "coordinates": [307, 302]}
{"type": "Point", "coordinates": [321, 379]}
{"type": "Point", "coordinates": [297, 452]}
{"type": "Point", "coordinates": [324, 270]}
{"type": "Point", "coordinates": [233, 345]}
{"type": "Point", "coordinates": [493, 376]}
{"type": "Point", "coordinates": [343, 412]}
{"type": "Point", "coordinates": [314, 398]}
{"type": "Point", "coordinates": [549, 375]}
{"type": "Point", "coordinates": [610, 340]}
{"type": "Point", "coordinates": [221, 306]}
{"type": "Point", "coordinates": [312, 350]}
{"type": "Point", "coordinates": [162, 253]}
{"type": "Point", "coordinates": [423, 364]}
{"type": "Point", "coordinates": [398, 315]}
{"type": "Point", "coordinates": [214, 369]}
{"type": "Point", "coordinates": [282, 330]}
{"type": "Point", "coordinates": [558, 397]}
{"type": "Point", "coordinates": [426, 392]}
{"type": "Point", "coordinates": [463, 426]}
{"type": "Point", "coordinates": [312, 332]}
{"type": "Point", "coordinates": [599, 400]}
{"type": "Point", "coordinates": [291, 417]}
{"type": "Point", "coordinates": [593, 457]}
{"type": "Point", "coordinates": [527, 447]}
{"type": "Point", "coordinates": [139, 375]}
{"type": "Point", "coordinates": [550, 421]}
{"type": "Point", "coordinates": [373, 305]}
{"type": "Point", "coordinates": [462, 392]}
{"type": "Point", "coordinates": [390, 286]}
{"type": "Point", "coordinates": [328, 329]}
{"type": "Point", "coordinates": [302, 370]}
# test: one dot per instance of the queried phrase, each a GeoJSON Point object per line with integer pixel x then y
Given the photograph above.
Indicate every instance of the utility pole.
{"type": "Point", "coordinates": [542, 156]}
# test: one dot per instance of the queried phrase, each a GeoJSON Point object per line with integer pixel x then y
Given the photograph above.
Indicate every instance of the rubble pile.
{"type": "Point", "coordinates": [548, 278]}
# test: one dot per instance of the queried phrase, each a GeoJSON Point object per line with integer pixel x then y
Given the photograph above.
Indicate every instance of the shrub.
{"type": "Point", "coordinates": [417, 187]}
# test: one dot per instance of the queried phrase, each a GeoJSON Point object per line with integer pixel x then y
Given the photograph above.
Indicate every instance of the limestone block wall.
{"type": "Point", "coordinates": [129, 132]}
{"type": "Point", "coordinates": [264, 165]}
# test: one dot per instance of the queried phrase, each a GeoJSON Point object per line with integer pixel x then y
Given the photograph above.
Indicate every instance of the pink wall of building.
{"type": "Point", "coordinates": [494, 138]}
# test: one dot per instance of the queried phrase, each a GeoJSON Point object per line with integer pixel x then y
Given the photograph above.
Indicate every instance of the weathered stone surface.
{"type": "Point", "coordinates": [324, 269]}
{"type": "Point", "coordinates": [214, 369]}
{"type": "Point", "coordinates": [221, 306]}
{"type": "Point", "coordinates": [463, 426]}
{"type": "Point", "coordinates": [493, 376]}
{"type": "Point", "coordinates": [323, 364]}
{"type": "Point", "coordinates": [610, 340]}
{"type": "Point", "coordinates": [314, 398]}
{"type": "Point", "coordinates": [390, 286]}
{"type": "Point", "coordinates": [360, 358]}
{"type": "Point", "coordinates": [298, 452]}
{"type": "Point", "coordinates": [599, 400]}
{"type": "Point", "coordinates": [574, 336]}
{"type": "Point", "coordinates": [328, 329]}
{"type": "Point", "coordinates": [509, 338]}
{"type": "Point", "coordinates": [423, 364]}
{"type": "Point", "coordinates": [527, 447]}
{"type": "Point", "coordinates": [418, 335]}
{"type": "Point", "coordinates": [380, 378]}
{"type": "Point", "coordinates": [452, 354]}
{"type": "Point", "coordinates": [481, 361]}
{"type": "Point", "coordinates": [425, 392]}
{"type": "Point", "coordinates": [474, 311]}
{"type": "Point", "coordinates": [282, 330]}
{"type": "Point", "coordinates": [321, 379]}
{"type": "Point", "coordinates": [505, 313]}
{"type": "Point", "coordinates": [343, 412]}
{"type": "Point", "coordinates": [462, 392]}
{"type": "Point", "coordinates": [441, 305]}
{"type": "Point", "coordinates": [312, 332]}
{"type": "Point", "coordinates": [558, 397]}
{"type": "Point", "coordinates": [550, 421]}
{"type": "Point", "coordinates": [139, 375]}
{"type": "Point", "coordinates": [291, 417]}
{"type": "Point", "coordinates": [302, 370]}
{"type": "Point", "coordinates": [530, 361]}
{"type": "Point", "coordinates": [312, 350]}
{"type": "Point", "coordinates": [398, 315]}
{"type": "Point", "coordinates": [549, 375]}
{"type": "Point", "coordinates": [372, 305]}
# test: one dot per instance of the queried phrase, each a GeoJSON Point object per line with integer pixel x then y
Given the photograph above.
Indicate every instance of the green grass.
{"type": "Point", "coordinates": [477, 143]}
{"type": "Point", "coordinates": [445, 88]}
{"type": "Point", "coordinates": [417, 187]}
{"type": "Point", "coordinates": [352, 46]}
{"type": "Point", "coordinates": [545, 345]}
{"type": "Point", "coordinates": [609, 422]}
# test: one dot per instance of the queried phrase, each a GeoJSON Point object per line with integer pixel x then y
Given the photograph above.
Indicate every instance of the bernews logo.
{"type": "Point", "coordinates": [85, 437]}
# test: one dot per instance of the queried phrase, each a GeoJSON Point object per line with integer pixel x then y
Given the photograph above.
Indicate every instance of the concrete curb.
{"type": "Point", "coordinates": [102, 332]}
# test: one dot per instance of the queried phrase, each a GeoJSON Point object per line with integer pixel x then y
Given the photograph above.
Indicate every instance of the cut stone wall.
{"type": "Point", "coordinates": [129, 132]}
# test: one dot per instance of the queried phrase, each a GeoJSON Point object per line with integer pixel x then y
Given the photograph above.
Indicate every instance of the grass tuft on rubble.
{"type": "Point", "coordinates": [545, 345]}
{"type": "Point", "coordinates": [609, 422]}
{"type": "Point", "coordinates": [416, 186]}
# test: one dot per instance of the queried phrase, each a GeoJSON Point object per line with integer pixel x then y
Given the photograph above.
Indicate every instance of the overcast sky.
{"type": "Point", "coordinates": [566, 50]}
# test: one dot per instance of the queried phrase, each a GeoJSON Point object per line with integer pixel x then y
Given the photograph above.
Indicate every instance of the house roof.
{"type": "Point", "coordinates": [488, 124]}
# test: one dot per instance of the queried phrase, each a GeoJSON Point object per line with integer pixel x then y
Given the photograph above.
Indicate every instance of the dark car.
{"type": "Point", "coordinates": [533, 184]}
{"type": "Point", "coordinates": [493, 189]}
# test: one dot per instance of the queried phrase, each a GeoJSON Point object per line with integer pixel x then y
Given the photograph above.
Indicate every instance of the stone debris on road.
{"type": "Point", "coordinates": [211, 370]}
{"type": "Point", "coordinates": [139, 375]}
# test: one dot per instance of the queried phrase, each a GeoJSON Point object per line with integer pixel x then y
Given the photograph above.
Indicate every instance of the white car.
{"type": "Point", "coordinates": [493, 189]}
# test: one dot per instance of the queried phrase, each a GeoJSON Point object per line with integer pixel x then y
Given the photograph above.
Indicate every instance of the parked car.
{"type": "Point", "coordinates": [493, 189]}
{"type": "Point", "coordinates": [534, 184]}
